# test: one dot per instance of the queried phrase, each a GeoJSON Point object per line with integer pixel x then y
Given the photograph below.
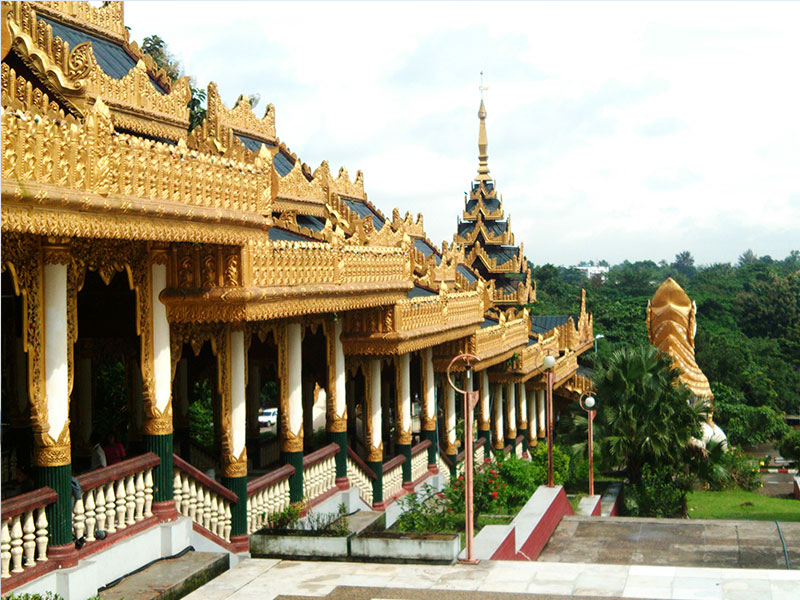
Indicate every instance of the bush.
{"type": "Point", "coordinates": [659, 494]}
{"type": "Point", "coordinates": [749, 425]}
{"type": "Point", "coordinates": [201, 416]}
{"type": "Point", "coordinates": [742, 472]}
{"type": "Point", "coordinates": [789, 446]}
{"type": "Point", "coordinates": [425, 511]}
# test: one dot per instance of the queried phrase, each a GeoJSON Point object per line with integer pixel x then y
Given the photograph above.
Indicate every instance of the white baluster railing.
{"type": "Point", "coordinates": [267, 495]}
{"type": "Point", "coordinates": [358, 477]}
{"type": "Point", "coordinates": [114, 498]}
{"type": "Point", "coordinates": [24, 536]}
{"type": "Point", "coordinates": [419, 460]}
{"type": "Point", "coordinates": [392, 480]}
{"type": "Point", "coordinates": [319, 471]}
{"type": "Point", "coordinates": [202, 499]}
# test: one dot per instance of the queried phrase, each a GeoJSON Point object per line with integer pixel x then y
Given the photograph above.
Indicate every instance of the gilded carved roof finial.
{"type": "Point", "coordinates": [483, 143]}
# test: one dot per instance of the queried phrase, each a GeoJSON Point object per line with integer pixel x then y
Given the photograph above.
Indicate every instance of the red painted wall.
{"type": "Point", "coordinates": [506, 550]}
{"type": "Point", "coordinates": [536, 541]}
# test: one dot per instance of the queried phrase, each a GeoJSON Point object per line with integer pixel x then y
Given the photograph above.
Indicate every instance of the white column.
{"type": "Point", "coordinates": [294, 358]}
{"type": "Point", "coordinates": [162, 365]}
{"type": "Point", "coordinates": [341, 395]}
{"type": "Point", "coordinates": [238, 394]}
{"type": "Point", "coordinates": [405, 394]}
{"type": "Point", "coordinates": [430, 379]}
{"type": "Point", "coordinates": [511, 399]}
{"type": "Point", "coordinates": [485, 397]}
{"type": "Point", "coordinates": [540, 401]}
{"type": "Point", "coordinates": [523, 404]}
{"type": "Point", "coordinates": [375, 414]}
{"type": "Point", "coordinates": [450, 415]}
{"type": "Point", "coordinates": [532, 420]}
{"type": "Point", "coordinates": [498, 415]}
{"type": "Point", "coordinates": [55, 348]}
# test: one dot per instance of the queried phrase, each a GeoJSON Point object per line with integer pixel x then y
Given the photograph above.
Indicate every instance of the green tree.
{"type": "Point", "coordinates": [684, 263]}
{"type": "Point", "coordinates": [646, 416]}
{"type": "Point", "coordinates": [157, 48]}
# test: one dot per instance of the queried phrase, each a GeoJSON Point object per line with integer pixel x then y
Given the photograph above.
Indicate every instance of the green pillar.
{"type": "Point", "coordinates": [238, 485]}
{"type": "Point", "coordinates": [377, 484]}
{"type": "Point", "coordinates": [295, 481]}
{"type": "Point", "coordinates": [340, 438]}
{"type": "Point", "coordinates": [433, 450]}
{"type": "Point", "coordinates": [59, 514]}
{"type": "Point", "coordinates": [454, 466]}
{"type": "Point", "coordinates": [405, 450]}
{"type": "Point", "coordinates": [161, 446]}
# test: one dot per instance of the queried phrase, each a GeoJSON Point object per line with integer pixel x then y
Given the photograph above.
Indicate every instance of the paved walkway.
{"type": "Point", "coordinates": [265, 579]}
{"type": "Point", "coordinates": [675, 542]}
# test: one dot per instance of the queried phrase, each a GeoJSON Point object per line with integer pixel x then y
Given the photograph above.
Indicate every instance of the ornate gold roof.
{"type": "Point", "coordinates": [671, 326]}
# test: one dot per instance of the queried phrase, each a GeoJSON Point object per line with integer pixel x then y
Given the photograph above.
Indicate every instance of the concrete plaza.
{"type": "Point", "coordinates": [265, 579]}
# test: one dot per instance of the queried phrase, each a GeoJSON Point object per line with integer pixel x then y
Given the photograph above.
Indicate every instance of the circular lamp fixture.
{"type": "Point", "coordinates": [589, 402]}
{"type": "Point", "coordinates": [549, 361]}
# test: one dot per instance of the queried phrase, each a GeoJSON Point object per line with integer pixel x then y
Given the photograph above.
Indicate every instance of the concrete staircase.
{"type": "Point", "coordinates": [169, 579]}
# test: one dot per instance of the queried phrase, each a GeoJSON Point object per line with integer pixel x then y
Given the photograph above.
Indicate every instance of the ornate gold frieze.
{"type": "Point", "coordinates": [296, 186]}
{"type": "Point", "coordinates": [106, 20]}
{"type": "Point", "coordinates": [513, 265]}
{"type": "Point", "coordinates": [204, 266]}
{"type": "Point", "coordinates": [86, 156]}
{"type": "Point", "coordinates": [20, 94]}
{"type": "Point", "coordinates": [344, 187]}
{"type": "Point", "coordinates": [63, 70]}
{"type": "Point", "coordinates": [240, 118]}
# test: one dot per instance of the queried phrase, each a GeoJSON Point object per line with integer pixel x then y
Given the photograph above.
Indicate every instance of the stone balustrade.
{"type": "Point", "coordinates": [202, 499]}
{"type": "Point", "coordinates": [319, 471]}
{"type": "Point", "coordinates": [24, 538]}
{"type": "Point", "coordinates": [114, 498]}
{"type": "Point", "coordinates": [267, 495]}
{"type": "Point", "coordinates": [360, 476]}
{"type": "Point", "coordinates": [419, 460]}
{"type": "Point", "coordinates": [393, 477]}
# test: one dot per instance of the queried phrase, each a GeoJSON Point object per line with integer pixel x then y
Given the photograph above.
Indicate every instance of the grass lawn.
{"type": "Point", "coordinates": [737, 504]}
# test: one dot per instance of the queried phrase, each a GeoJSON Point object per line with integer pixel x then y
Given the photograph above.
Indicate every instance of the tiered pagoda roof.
{"type": "Point", "coordinates": [486, 235]}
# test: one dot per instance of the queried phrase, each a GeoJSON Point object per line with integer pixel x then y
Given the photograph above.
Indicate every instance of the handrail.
{"type": "Point", "coordinates": [361, 464]}
{"type": "Point", "coordinates": [28, 501]}
{"type": "Point", "coordinates": [271, 478]}
{"type": "Point", "coordinates": [421, 447]}
{"type": "Point", "coordinates": [204, 479]}
{"type": "Point", "coordinates": [98, 477]}
{"type": "Point", "coordinates": [520, 439]}
{"type": "Point", "coordinates": [395, 462]}
{"type": "Point", "coordinates": [319, 455]}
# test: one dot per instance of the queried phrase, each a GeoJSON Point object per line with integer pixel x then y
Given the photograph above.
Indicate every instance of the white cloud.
{"type": "Point", "coordinates": [616, 130]}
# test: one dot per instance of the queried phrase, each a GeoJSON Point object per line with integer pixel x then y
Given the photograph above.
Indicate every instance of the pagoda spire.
{"type": "Point", "coordinates": [483, 142]}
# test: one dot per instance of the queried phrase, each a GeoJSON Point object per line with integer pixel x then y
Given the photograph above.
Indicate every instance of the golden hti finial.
{"type": "Point", "coordinates": [483, 143]}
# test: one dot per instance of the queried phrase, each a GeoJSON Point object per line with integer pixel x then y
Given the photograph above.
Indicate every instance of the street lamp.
{"type": "Point", "coordinates": [599, 336]}
{"type": "Point", "coordinates": [587, 403]}
{"type": "Point", "coordinates": [549, 362]}
{"type": "Point", "coordinates": [470, 400]}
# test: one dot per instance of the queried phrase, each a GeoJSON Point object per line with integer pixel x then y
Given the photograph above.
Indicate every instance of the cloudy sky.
{"type": "Point", "coordinates": [616, 130]}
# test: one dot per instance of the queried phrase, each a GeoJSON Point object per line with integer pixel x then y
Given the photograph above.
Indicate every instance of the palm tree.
{"type": "Point", "coordinates": [647, 415]}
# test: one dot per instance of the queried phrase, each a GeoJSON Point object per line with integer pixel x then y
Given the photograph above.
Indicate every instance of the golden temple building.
{"type": "Point", "coordinates": [232, 330]}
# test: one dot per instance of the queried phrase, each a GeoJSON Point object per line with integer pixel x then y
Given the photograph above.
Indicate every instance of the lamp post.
{"type": "Point", "coordinates": [470, 400]}
{"type": "Point", "coordinates": [549, 362]}
{"type": "Point", "coordinates": [587, 403]}
{"type": "Point", "coordinates": [599, 336]}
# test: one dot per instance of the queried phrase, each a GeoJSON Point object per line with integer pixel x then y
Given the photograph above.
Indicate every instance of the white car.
{"type": "Point", "coordinates": [267, 417]}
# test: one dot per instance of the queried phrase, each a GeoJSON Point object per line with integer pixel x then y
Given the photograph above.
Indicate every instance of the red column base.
{"type": "Point", "coordinates": [379, 506]}
{"type": "Point", "coordinates": [433, 469]}
{"type": "Point", "coordinates": [66, 555]}
{"type": "Point", "coordinates": [165, 511]}
{"type": "Point", "coordinates": [408, 486]}
{"type": "Point", "coordinates": [240, 543]}
{"type": "Point", "coordinates": [343, 483]}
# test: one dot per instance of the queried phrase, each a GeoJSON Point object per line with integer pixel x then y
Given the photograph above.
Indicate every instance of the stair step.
{"type": "Point", "coordinates": [366, 519]}
{"type": "Point", "coordinates": [170, 579]}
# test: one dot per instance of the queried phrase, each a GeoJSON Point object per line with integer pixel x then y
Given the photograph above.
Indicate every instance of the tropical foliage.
{"type": "Point", "coordinates": [748, 335]}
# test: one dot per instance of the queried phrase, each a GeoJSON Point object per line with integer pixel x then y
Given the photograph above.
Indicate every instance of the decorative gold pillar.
{"type": "Point", "coordinates": [498, 417]}
{"type": "Point", "coordinates": [484, 415]}
{"type": "Point", "coordinates": [428, 416]}
{"type": "Point", "coordinates": [336, 422]}
{"type": "Point", "coordinates": [511, 415]}
{"type": "Point", "coordinates": [540, 419]}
